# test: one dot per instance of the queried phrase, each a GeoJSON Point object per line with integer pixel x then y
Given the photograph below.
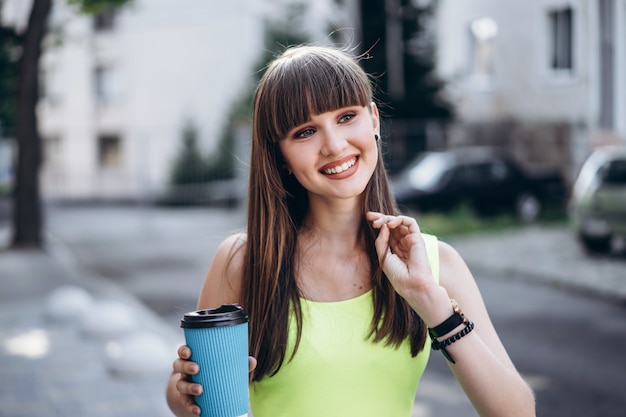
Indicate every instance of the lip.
{"type": "Point", "coordinates": [347, 172]}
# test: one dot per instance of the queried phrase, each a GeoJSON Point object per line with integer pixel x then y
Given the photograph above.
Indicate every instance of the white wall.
{"type": "Point", "coordinates": [175, 61]}
{"type": "Point", "coordinates": [522, 86]}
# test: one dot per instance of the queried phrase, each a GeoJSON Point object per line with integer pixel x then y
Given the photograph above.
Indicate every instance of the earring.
{"type": "Point", "coordinates": [376, 137]}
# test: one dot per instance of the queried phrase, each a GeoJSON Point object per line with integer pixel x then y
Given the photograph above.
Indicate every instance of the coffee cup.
{"type": "Point", "coordinates": [218, 339]}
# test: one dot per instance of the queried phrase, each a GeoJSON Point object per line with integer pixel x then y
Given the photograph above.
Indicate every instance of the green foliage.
{"type": "Point", "coordinates": [279, 34]}
{"type": "Point", "coordinates": [97, 6]}
{"type": "Point", "coordinates": [464, 221]}
{"type": "Point", "coordinates": [422, 98]}
{"type": "Point", "coordinates": [221, 164]}
{"type": "Point", "coordinates": [189, 167]}
{"type": "Point", "coordinates": [9, 67]}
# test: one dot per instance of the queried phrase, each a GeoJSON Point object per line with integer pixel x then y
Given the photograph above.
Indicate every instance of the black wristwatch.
{"type": "Point", "coordinates": [457, 318]}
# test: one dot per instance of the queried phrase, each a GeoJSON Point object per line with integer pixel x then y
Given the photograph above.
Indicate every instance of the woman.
{"type": "Point", "coordinates": [342, 291]}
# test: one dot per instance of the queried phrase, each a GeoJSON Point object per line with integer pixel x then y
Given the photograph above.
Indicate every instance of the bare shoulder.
{"type": "Point", "coordinates": [222, 284]}
{"type": "Point", "coordinates": [455, 275]}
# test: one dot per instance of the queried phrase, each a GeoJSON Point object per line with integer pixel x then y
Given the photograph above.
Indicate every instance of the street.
{"type": "Point", "coordinates": [569, 345]}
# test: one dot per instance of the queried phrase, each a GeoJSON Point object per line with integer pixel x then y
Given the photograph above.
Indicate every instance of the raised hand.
{"type": "Point", "coordinates": [402, 254]}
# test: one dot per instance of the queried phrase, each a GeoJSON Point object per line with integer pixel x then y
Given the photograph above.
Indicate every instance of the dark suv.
{"type": "Point", "coordinates": [487, 180]}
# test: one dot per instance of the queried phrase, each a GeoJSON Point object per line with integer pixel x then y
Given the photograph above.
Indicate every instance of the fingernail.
{"type": "Point", "coordinates": [193, 369]}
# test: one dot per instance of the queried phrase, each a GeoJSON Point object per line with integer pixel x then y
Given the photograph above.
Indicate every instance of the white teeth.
{"type": "Point", "coordinates": [340, 168]}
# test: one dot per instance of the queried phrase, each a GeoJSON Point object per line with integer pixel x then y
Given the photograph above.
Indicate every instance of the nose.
{"type": "Point", "coordinates": [333, 143]}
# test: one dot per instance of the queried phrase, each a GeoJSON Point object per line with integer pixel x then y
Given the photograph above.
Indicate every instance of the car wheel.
{"type": "Point", "coordinates": [527, 207]}
{"type": "Point", "coordinates": [598, 245]}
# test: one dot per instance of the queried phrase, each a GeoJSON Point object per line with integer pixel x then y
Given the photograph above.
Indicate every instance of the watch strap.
{"type": "Point", "coordinates": [457, 318]}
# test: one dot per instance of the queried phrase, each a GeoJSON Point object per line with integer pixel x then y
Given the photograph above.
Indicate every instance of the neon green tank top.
{"type": "Point", "coordinates": [336, 372]}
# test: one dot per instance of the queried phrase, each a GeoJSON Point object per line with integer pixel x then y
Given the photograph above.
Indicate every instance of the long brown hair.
{"type": "Point", "coordinates": [304, 81]}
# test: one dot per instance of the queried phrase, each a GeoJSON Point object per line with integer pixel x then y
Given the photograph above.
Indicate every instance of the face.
{"type": "Point", "coordinates": [334, 154]}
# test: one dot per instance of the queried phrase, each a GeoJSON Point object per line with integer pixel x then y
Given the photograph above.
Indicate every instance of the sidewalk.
{"type": "Point", "coordinates": [53, 365]}
{"type": "Point", "coordinates": [548, 255]}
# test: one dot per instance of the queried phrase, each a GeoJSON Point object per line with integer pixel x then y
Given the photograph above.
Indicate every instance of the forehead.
{"type": "Point", "coordinates": [301, 88]}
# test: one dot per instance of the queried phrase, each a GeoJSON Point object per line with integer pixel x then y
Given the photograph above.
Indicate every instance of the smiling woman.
{"type": "Point", "coordinates": [344, 294]}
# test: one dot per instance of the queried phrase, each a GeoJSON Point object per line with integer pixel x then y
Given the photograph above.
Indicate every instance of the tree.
{"type": "Point", "coordinates": [401, 55]}
{"type": "Point", "coordinates": [282, 31]}
{"type": "Point", "coordinates": [190, 167]}
{"type": "Point", "coordinates": [406, 73]}
{"type": "Point", "coordinates": [9, 41]}
{"type": "Point", "coordinates": [27, 212]}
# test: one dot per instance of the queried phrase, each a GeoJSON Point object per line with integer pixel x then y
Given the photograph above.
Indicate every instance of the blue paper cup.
{"type": "Point", "coordinates": [218, 339]}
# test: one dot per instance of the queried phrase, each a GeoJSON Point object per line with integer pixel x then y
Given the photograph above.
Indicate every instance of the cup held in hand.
{"type": "Point", "coordinates": [218, 339]}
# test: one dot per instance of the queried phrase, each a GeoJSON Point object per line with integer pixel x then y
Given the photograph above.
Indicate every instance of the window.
{"type": "Point", "coordinates": [105, 20]}
{"type": "Point", "coordinates": [105, 84]}
{"type": "Point", "coordinates": [7, 156]}
{"type": "Point", "coordinates": [109, 151]}
{"type": "Point", "coordinates": [52, 153]}
{"type": "Point", "coordinates": [561, 24]}
{"type": "Point", "coordinates": [607, 55]}
{"type": "Point", "coordinates": [483, 32]}
{"type": "Point", "coordinates": [50, 85]}
{"type": "Point", "coordinates": [614, 173]}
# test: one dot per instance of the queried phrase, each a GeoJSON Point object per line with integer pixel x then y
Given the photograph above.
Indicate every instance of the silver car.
{"type": "Point", "coordinates": [597, 208]}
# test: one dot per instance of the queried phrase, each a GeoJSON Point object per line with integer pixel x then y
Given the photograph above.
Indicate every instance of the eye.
{"type": "Point", "coordinates": [347, 117]}
{"type": "Point", "coordinates": [304, 133]}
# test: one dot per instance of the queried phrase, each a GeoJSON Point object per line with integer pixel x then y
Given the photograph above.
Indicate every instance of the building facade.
{"type": "Point", "coordinates": [544, 77]}
{"type": "Point", "coordinates": [119, 88]}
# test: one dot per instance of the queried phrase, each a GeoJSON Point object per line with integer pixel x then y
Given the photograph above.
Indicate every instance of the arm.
{"type": "Point", "coordinates": [222, 285]}
{"type": "Point", "coordinates": [483, 367]}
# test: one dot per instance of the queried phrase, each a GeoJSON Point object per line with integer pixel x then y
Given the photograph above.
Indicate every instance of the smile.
{"type": "Point", "coordinates": [340, 168]}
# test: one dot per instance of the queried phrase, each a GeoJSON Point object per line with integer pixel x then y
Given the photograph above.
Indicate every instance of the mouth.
{"type": "Point", "coordinates": [341, 167]}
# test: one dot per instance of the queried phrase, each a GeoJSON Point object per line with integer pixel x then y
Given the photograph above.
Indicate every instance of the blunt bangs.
{"type": "Point", "coordinates": [307, 81]}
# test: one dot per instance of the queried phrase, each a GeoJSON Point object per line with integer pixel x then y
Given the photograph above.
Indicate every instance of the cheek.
{"type": "Point", "coordinates": [372, 148]}
{"type": "Point", "coordinates": [296, 161]}
{"type": "Point", "coordinates": [284, 155]}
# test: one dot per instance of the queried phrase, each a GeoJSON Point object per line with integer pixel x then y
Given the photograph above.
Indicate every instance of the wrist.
{"type": "Point", "coordinates": [439, 334]}
{"type": "Point", "coordinates": [433, 306]}
{"type": "Point", "coordinates": [449, 325]}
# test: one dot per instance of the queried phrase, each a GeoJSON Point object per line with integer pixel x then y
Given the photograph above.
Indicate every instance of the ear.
{"type": "Point", "coordinates": [375, 117]}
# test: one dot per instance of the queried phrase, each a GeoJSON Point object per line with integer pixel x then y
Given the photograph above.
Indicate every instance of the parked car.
{"type": "Point", "coordinates": [487, 180]}
{"type": "Point", "coordinates": [597, 208]}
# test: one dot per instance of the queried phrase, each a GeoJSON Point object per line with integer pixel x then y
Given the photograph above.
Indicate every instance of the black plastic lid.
{"type": "Point", "coordinates": [226, 315]}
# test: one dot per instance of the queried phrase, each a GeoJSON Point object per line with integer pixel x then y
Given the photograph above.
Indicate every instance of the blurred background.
{"type": "Point", "coordinates": [124, 135]}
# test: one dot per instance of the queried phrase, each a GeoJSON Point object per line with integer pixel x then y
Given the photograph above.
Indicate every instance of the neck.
{"type": "Point", "coordinates": [338, 221]}
{"type": "Point", "coordinates": [331, 233]}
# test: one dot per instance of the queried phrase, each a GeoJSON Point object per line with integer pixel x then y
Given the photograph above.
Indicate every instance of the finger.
{"type": "Point", "coordinates": [188, 388]}
{"type": "Point", "coordinates": [190, 404]}
{"type": "Point", "coordinates": [372, 215]}
{"type": "Point", "coordinates": [377, 219]}
{"type": "Point", "coordinates": [382, 244]}
{"type": "Point", "coordinates": [402, 222]}
{"type": "Point", "coordinates": [186, 367]}
{"type": "Point", "coordinates": [194, 409]}
{"type": "Point", "coordinates": [251, 363]}
{"type": "Point", "coordinates": [411, 223]}
{"type": "Point", "coordinates": [184, 352]}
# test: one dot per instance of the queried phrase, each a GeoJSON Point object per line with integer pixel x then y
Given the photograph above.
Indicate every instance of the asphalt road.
{"type": "Point", "coordinates": [569, 345]}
